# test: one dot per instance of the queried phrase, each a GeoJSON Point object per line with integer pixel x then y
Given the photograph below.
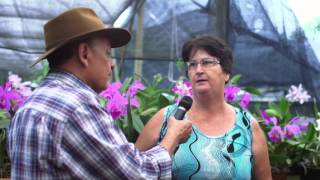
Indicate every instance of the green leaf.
{"type": "Point", "coordinates": [235, 79]}
{"type": "Point", "coordinates": [102, 102]}
{"type": "Point", "coordinates": [274, 106]}
{"type": "Point", "coordinates": [39, 75]}
{"type": "Point", "coordinates": [165, 99]}
{"type": "Point", "coordinates": [315, 109]}
{"type": "Point", "coordinates": [277, 159]}
{"type": "Point", "coordinates": [252, 90]}
{"type": "Point", "coordinates": [4, 123]}
{"type": "Point", "coordinates": [284, 107]}
{"type": "Point", "coordinates": [129, 115]}
{"type": "Point", "coordinates": [137, 122]}
{"type": "Point", "coordinates": [311, 134]}
{"type": "Point", "coordinates": [180, 64]}
{"type": "Point", "coordinates": [126, 84]}
{"type": "Point", "coordinates": [2, 147]}
{"type": "Point", "coordinates": [272, 112]}
{"type": "Point", "coordinates": [169, 96]}
{"type": "Point", "coordinates": [149, 111]}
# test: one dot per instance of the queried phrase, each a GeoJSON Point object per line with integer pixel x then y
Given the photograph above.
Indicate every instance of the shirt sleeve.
{"type": "Point", "coordinates": [93, 146]}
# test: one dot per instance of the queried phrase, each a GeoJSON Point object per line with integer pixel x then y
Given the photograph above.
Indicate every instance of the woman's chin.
{"type": "Point", "coordinates": [202, 89]}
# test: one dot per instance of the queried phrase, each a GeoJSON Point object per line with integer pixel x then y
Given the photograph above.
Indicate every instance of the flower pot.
{"type": "Point", "coordinates": [279, 176]}
{"type": "Point", "coordinates": [311, 174]}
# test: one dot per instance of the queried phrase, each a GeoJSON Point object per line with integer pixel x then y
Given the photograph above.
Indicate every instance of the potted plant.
{"type": "Point", "coordinates": [12, 95]}
{"type": "Point", "coordinates": [132, 103]}
{"type": "Point", "coordinates": [289, 133]}
{"type": "Point", "coordinates": [309, 167]}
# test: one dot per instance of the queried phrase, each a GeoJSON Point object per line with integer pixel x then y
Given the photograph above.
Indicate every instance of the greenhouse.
{"type": "Point", "coordinates": [244, 75]}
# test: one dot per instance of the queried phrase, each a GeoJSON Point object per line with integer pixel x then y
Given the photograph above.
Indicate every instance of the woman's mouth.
{"type": "Point", "coordinates": [200, 80]}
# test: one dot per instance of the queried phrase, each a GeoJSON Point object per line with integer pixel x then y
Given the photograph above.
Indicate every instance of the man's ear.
{"type": "Point", "coordinates": [84, 54]}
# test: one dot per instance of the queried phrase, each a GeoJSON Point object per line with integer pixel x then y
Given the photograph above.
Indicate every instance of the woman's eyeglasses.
{"type": "Point", "coordinates": [205, 63]}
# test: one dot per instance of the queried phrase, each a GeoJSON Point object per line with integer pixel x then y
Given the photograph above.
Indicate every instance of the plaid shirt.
{"type": "Point", "coordinates": [62, 132]}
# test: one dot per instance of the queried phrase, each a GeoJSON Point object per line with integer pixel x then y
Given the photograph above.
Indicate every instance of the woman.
{"type": "Point", "coordinates": [226, 142]}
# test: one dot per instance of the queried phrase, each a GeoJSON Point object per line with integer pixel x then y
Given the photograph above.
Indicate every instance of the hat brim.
{"type": "Point", "coordinates": [117, 37]}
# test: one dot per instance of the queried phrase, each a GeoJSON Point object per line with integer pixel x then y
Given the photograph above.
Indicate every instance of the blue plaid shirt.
{"type": "Point", "coordinates": [62, 132]}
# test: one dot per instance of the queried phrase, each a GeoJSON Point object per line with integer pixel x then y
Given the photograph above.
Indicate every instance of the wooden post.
{"type": "Point", "coordinates": [138, 64]}
{"type": "Point", "coordinates": [220, 25]}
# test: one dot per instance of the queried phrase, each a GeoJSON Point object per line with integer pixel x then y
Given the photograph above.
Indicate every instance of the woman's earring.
{"type": "Point", "coordinates": [227, 79]}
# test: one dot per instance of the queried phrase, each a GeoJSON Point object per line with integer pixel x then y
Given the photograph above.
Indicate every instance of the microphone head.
{"type": "Point", "coordinates": [186, 102]}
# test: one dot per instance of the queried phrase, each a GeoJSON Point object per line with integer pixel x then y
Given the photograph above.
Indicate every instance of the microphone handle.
{"type": "Point", "coordinates": [181, 111]}
{"type": "Point", "coordinates": [179, 115]}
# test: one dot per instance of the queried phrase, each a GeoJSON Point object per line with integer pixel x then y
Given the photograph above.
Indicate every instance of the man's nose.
{"type": "Point", "coordinates": [112, 66]}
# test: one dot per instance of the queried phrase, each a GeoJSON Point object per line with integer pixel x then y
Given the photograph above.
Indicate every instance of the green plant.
{"type": "Point", "coordinates": [290, 134]}
{"type": "Point", "coordinates": [12, 95]}
{"type": "Point", "coordinates": [132, 103]}
{"type": "Point", "coordinates": [4, 160]}
{"type": "Point", "coordinates": [312, 145]}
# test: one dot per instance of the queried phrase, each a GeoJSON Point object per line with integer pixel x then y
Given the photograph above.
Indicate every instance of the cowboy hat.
{"type": "Point", "coordinates": [76, 24]}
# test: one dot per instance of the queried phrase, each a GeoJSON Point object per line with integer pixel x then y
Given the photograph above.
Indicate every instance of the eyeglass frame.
{"type": "Point", "coordinates": [214, 61]}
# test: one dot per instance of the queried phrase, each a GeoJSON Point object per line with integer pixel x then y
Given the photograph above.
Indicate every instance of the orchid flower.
{"type": "Point", "coordinates": [298, 94]}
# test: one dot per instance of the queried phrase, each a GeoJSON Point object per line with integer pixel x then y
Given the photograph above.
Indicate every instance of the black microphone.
{"type": "Point", "coordinates": [183, 106]}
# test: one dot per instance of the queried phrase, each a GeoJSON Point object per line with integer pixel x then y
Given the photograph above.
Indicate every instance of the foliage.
{"type": "Point", "coordinates": [312, 147]}
{"type": "Point", "coordinates": [132, 104]}
{"type": "Point", "coordinates": [12, 95]}
{"type": "Point", "coordinates": [290, 134]}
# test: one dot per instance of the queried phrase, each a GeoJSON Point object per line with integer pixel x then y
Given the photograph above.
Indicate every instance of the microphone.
{"type": "Point", "coordinates": [183, 106]}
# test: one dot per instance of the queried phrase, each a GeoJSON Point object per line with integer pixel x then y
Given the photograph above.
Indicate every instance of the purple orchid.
{"type": "Point", "coordinates": [275, 134]}
{"type": "Point", "coordinates": [111, 90]}
{"type": "Point", "coordinates": [268, 120]}
{"type": "Point", "coordinates": [302, 122]}
{"type": "Point", "coordinates": [182, 88]}
{"type": "Point", "coordinates": [230, 92]}
{"type": "Point", "coordinates": [291, 130]}
{"type": "Point", "coordinates": [245, 100]}
{"type": "Point", "coordinates": [133, 89]}
{"type": "Point", "coordinates": [10, 99]}
{"type": "Point", "coordinates": [117, 102]}
{"type": "Point", "coordinates": [117, 106]}
{"type": "Point", "coordinates": [132, 93]}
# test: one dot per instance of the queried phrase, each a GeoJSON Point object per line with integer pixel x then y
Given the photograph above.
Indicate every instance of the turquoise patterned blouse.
{"type": "Point", "coordinates": [227, 156]}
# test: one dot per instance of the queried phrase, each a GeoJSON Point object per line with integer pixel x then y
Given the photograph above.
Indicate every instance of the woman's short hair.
{"type": "Point", "coordinates": [213, 46]}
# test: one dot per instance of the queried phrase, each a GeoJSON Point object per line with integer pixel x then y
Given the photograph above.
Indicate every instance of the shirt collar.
{"type": "Point", "coordinates": [68, 79]}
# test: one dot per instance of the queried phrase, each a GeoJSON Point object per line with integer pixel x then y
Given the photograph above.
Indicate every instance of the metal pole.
{"type": "Point", "coordinates": [138, 64]}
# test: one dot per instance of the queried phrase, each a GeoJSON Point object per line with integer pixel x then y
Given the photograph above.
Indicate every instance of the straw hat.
{"type": "Point", "coordinates": [75, 24]}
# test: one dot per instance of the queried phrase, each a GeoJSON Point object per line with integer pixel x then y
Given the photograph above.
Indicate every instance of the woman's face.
{"type": "Point", "coordinates": [206, 73]}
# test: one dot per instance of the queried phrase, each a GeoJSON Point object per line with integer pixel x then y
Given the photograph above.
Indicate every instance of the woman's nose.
{"type": "Point", "coordinates": [199, 68]}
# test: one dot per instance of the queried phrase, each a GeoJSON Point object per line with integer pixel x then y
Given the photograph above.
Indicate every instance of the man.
{"type": "Point", "coordinates": [61, 132]}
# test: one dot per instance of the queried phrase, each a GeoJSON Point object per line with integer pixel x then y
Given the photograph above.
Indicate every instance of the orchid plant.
{"type": "Point", "coordinates": [13, 93]}
{"type": "Point", "coordinates": [119, 100]}
{"type": "Point", "coordinates": [132, 104]}
{"type": "Point", "coordinates": [288, 134]}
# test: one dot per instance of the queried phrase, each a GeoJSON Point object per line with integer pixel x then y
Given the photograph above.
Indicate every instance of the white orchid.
{"type": "Point", "coordinates": [298, 93]}
{"type": "Point", "coordinates": [22, 87]}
